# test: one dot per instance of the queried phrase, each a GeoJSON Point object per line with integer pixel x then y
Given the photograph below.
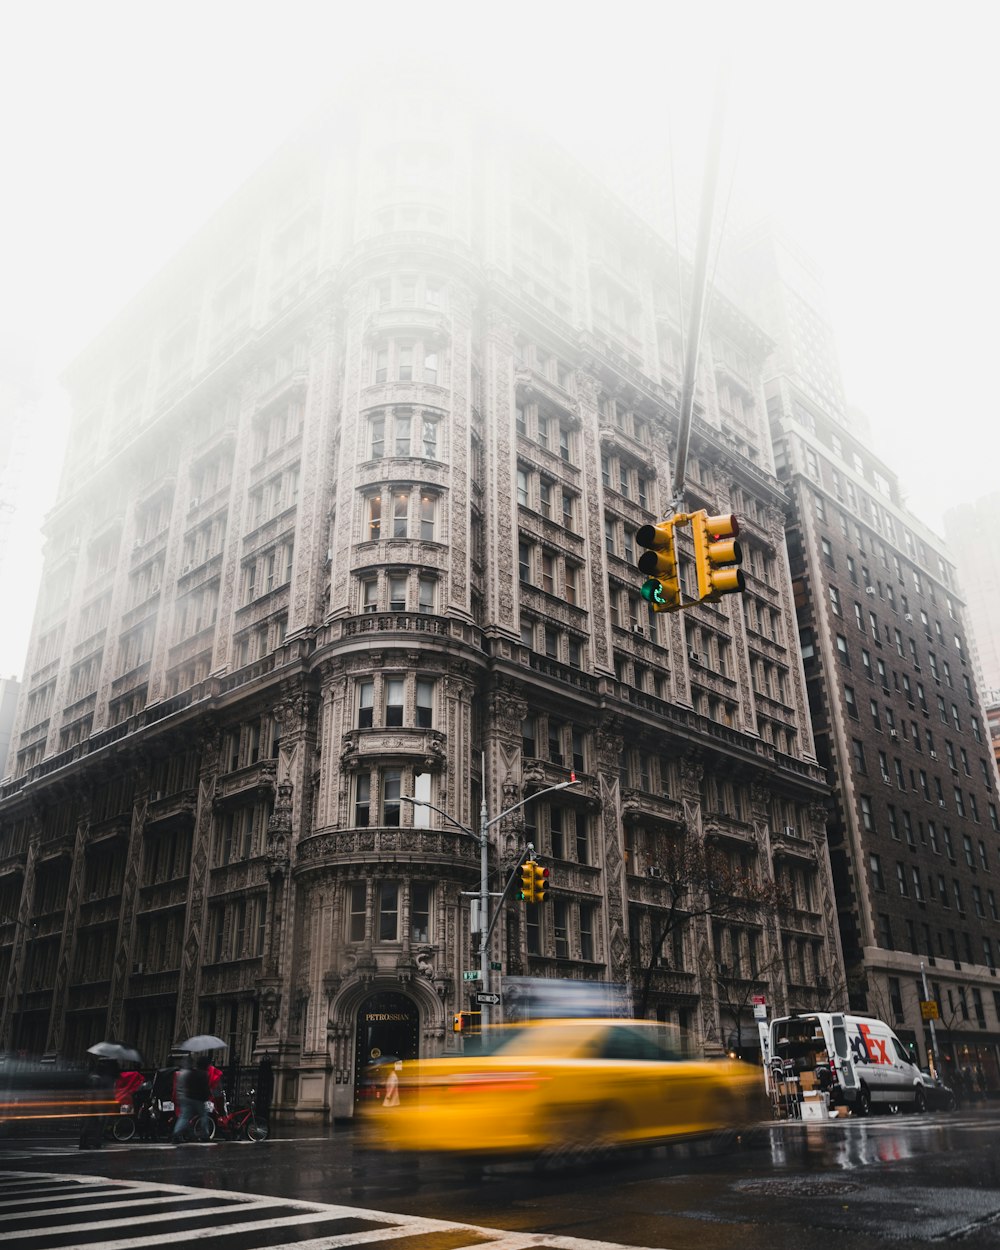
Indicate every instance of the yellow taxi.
{"type": "Point", "coordinates": [565, 1087]}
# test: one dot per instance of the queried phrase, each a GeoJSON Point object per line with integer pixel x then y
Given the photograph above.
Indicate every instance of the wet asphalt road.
{"type": "Point", "coordinates": [900, 1181]}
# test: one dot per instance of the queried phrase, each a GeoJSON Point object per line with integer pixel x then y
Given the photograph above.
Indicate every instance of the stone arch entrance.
{"type": "Point", "coordinates": [388, 1028]}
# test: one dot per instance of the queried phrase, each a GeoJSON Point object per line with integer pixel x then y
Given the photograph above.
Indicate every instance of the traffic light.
{"type": "Point", "coordinates": [717, 556]}
{"type": "Point", "coordinates": [467, 1022]}
{"type": "Point", "coordinates": [661, 589]}
{"type": "Point", "coordinates": [540, 883]}
{"type": "Point", "coordinates": [528, 881]}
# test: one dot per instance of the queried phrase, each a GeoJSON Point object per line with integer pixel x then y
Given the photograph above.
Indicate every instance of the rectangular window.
{"type": "Point", "coordinates": [362, 799]}
{"type": "Point", "coordinates": [420, 912]}
{"type": "Point", "coordinates": [388, 911]}
{"type": "Point", "coordinates": [429, 430]}
{"type": "Point", "coordinates": [356, 905]}
{"type": "Point", "coordinates": [565, 445]}
{"type": "Point", "coordinates": [586, 932]}
{"type": "Point", "coordinates": [397, 593]}
{"type": "Point", "coordinates": [582, 838]}
{"type": "Point", "coordinates": [560, 925]}
{"type": "Point", "coordinates": [403, 425]}
{"type": "Point", "coordinates": [391, 789]}
{"type": "Point", "coordinates": [556, 833]}
{"type": "Point", "coordinates": [428, 517]}
{"type": "Point", "coordinates": [400, 511]}
{"type": "Point", "coordinates": [425, 704]}
{"type": "Point", "coordinates": [394, 694]}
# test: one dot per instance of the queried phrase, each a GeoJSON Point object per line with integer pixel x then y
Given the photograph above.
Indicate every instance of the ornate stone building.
{"type": "Point", "coordinates": [349, 516]}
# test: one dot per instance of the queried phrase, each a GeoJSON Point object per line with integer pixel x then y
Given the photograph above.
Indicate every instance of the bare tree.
{"type": "Point", "coordinates": [699, 879]}
{"type": "Point", "coordinates": [738, 981]}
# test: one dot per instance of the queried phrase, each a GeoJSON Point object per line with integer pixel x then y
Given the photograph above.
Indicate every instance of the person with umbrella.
{"type": "Point", "coordinates": [106, 1061]}
{"type": "Point", "coordinates": [193, 1089]}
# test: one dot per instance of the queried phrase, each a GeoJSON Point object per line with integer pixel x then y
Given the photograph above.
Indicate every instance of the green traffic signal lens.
{"type": "Point", "coordinates": [652, 591]}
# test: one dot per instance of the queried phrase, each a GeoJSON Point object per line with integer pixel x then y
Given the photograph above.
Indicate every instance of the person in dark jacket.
{"type": "Point", "coordinates": [192, 1094]}
{"type": "Point", "coordinates": [100, 1085]}
{"type": "Point", "coordinates": [265, 1088]}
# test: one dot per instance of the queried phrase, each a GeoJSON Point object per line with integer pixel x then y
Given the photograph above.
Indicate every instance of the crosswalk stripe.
{"type": "Point", "coordinates": [121, 1204]}
{"type": "Point", "coordinates": [244, 1212]}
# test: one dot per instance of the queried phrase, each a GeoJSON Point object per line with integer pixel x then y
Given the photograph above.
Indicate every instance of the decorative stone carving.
{"type": "Point", "coordinates": [279, 833]}
{"type": "Point", "coordinates": [270, 1006]}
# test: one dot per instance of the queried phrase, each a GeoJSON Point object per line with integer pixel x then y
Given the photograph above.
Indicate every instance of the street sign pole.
{"type": "Point", "coordinates": [934, 1045]}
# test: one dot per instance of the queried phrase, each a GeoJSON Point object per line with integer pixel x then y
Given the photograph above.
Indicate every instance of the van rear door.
{"type": "Point", "coordinates": [841, 1048]}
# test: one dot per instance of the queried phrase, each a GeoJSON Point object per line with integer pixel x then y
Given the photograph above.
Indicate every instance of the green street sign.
{"type": "Point", "coordinates": [496, 967]}
{"type": "Point", "coordinates": [475, 975]}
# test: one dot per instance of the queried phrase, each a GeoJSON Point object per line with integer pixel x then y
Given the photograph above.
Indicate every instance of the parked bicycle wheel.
{"type": "Point", "coordinates": [124, 1127]}
{"type": "Point", "coordinates": [255, 1130]}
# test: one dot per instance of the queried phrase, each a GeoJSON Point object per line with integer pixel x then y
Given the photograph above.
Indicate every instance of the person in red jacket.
{"type": "Point", "coordinates": [126, 1085]}
{"type": "Point", "coordinates": [215, 1089]}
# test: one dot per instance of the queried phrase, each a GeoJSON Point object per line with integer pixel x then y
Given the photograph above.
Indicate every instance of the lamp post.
{"type": "Point", "coordinates": [482, 837]}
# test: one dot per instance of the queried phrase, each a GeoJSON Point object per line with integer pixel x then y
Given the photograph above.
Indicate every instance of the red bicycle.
{"type": "Point", "coordinates": [242, 1122]}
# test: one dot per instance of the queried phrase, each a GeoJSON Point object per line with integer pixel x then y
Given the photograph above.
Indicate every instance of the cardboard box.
{"type": "Point", "coordinates": [843, 1113]}
{"type": "Point", "coordinates": [807, 1080]}
{"type": "Point", "coordinates": [814, 1109]}
{"type": "Point", "coordinates": [813, 1095]}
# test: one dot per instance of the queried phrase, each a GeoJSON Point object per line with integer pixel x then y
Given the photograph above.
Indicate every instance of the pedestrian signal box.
{"type": "Point", "coordinates": [468, 1023]}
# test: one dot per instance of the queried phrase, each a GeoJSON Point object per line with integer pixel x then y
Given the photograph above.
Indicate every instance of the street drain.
{"type": "Point", "coordinates": [801, 1188]}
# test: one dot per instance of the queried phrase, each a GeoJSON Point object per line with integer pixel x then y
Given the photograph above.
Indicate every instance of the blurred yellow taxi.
{"type": "Point", "coordinates": [565, 1087]}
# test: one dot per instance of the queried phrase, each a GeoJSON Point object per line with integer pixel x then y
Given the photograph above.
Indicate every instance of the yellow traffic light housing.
{"type": "Point", "coordinates": [467, 1022]}
{"type": "Point", "coordinates": [540, 883]}
{"type": "Point", "coordinates": [661, 589]}
{"type": "Point", "coordinates": [528, 881]}
{"type": "Point", "coordinates": [717, 556]}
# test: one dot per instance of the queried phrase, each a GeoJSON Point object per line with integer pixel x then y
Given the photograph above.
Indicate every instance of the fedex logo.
{"type": "Point", "coordinates": [868, 1049]}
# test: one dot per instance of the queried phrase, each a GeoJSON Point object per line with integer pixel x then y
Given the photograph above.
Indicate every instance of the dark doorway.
{"type": "Point", "coordinates": [388, 1029]}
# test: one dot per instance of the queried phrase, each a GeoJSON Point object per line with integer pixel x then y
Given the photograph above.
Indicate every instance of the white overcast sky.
{"type": "Point", "coordinates": [870, 130]}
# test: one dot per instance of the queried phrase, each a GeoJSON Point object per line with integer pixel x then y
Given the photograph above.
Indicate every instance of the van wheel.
{"type": "Point", "coordinates": [920, 1102]}
{"type": "Point", "coordinates": [864, 1101]}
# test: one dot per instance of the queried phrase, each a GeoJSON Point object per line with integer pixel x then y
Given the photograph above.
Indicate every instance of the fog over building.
{"type": "Point", "coordinates": [968, 527]}
{"type": "Point", "coordinates": [349, 515]}
{"type": "Point", "coordinates": [896, 713]}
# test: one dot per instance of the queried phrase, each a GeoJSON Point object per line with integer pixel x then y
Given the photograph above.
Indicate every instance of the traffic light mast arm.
{"type": "Point", "coordinates": [699, 286]}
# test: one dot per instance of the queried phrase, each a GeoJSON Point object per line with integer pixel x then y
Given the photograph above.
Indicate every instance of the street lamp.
{"type": "Point", "coordinates": [486, 925]}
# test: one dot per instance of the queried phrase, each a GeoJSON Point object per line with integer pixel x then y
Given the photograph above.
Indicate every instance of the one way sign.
{"type": "Point", "coordinates": [488, 1000]}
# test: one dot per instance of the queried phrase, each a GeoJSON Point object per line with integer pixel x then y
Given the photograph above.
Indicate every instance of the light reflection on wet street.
{"type": "Point", "coordinates": [911, 1180]}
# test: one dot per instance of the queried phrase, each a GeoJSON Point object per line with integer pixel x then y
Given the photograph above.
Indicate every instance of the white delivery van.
{"type": "Point", "coordinates": [858, 1058]}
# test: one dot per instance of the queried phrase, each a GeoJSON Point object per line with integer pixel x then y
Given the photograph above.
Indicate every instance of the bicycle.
{"type": "Point", "coordinates": [202, 1126]}
{"type": "Point", "coordinates": [242, 1122]}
